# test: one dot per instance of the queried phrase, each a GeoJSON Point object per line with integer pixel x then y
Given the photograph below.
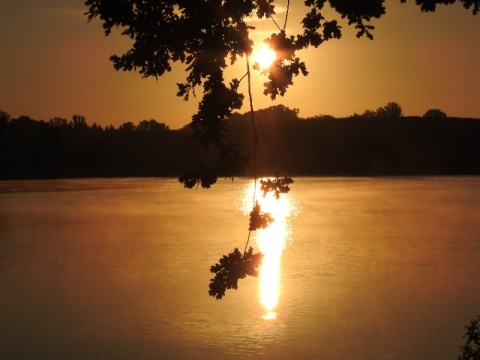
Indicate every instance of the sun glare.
{"type": "Point", "coordinates": [264, 56]}
{"type": "Point", "coordinates": [271, 242]}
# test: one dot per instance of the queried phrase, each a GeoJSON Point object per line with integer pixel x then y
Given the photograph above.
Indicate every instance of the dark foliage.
{"type": "Point", "coordinates": [431, 5]}
{"type": "Point", "coordinates": [359, 146]}
{"type": "Point", "coordinates": [259, 219]}
{"type": "Point", "coordinates": [228, 165]}
{"type": "Point", "coordinates": [208, 35]}
{"type": "Point", "coordinates": [285, 67]}
{"type": "Point", "coordinates": [4, 122]}
{"type": "Point", "coordinates": [31, 149]}
{"type": "Point", "coordinates": [231, 268]}
{"type": "Point", "coordinates": [201, 176]}
{"type": "Point", "coordinates": [471, 349]}
{"type": "Point", "coordinates": [435, 113]}
{"type": "Point", "coordinates": [392, 109]}
{"type": "Point", "coordinates": [277, 186]}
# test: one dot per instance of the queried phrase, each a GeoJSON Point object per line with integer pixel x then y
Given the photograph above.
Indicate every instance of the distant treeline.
{"type": "Point", "coordinates": [361, 145]}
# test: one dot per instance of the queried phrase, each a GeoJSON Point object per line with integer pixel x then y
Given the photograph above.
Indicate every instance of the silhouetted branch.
{"type": "Point", "coordinates": [231, 268]}
{"type": "Point", "coordinates": [259, 219]}
{"type": "Point", "coordinates": [277, 186]}
{"type": "Point", "coordinates": [471, 349]}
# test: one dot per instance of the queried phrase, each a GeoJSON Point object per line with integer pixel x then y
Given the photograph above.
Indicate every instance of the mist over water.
{"type": "Point", "coordinates": [374, 268]}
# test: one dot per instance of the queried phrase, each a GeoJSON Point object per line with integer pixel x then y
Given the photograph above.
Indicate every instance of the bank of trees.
{"type": "Point", "coordinates": [206, 37]}
{"type": "Point", "coordinates": [290, 145]}
{"type": "Point", "coordinates": [435, 113]}
{"type": "Point", "coordinates": [392, 109]}
{"type": "Point", "coordinates": [73, 148]}
{"type": "Point", "coordinates": [78, 123]}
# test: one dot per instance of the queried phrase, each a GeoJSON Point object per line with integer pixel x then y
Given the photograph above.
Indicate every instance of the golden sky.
{"type": "Point", "coordinates": [54, 64]}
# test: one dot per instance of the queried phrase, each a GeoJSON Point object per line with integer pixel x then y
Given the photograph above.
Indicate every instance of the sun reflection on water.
{"type": "Point", "coordinates": [271, 242]}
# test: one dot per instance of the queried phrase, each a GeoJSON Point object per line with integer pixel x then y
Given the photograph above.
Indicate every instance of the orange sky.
{"type": "Point", "coordinates": [54, 64]}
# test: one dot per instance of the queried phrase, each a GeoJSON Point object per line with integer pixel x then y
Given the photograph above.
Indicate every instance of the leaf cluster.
{"type": "Point", "coordinates": [391, 110]}
{"type": "Point", "coordinates": [208, 35]}
{"type": "Point", "coordinates": [471, 349]}
{"type": "Point", "coordinates": [435, 113]}
{"type": "Point", "coordinates": [259, 219]}
{"type": "Point", "coordinates": [235, 265]}
{"type": "Point", "coordinates": [229, 164]}
{"type": "Point", "coordinates": [431, 5]}
{"type": "Point", "coordinates": [231, 268]}
{"type": "Point", "coordinates": [285, 67]}
{"type": "Point", "coordinates": [277, 186]}
{"type": "Point", "coordinates": [358, 13]}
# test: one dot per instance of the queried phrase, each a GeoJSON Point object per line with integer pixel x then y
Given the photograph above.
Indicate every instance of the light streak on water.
{"type": "Point", "coordinates": [271, 242]}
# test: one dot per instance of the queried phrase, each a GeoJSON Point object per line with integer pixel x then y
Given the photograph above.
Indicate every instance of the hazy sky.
{"type": "Point", "coordinates": [54, 64]}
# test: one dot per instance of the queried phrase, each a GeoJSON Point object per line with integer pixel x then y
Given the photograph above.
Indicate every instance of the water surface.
{"type": "Point", "coordinates": [119, 269]}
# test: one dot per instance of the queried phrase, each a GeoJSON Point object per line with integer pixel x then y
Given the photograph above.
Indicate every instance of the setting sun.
{"type": "Point", "coordinates": [264, 56]}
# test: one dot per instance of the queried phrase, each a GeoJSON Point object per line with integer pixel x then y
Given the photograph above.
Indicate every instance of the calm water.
{"type": "Point", "coordinates": [119, 269]}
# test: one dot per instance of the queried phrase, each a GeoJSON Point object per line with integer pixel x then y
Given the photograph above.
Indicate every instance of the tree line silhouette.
{"type": "Point", "coordinates": [375, 143]}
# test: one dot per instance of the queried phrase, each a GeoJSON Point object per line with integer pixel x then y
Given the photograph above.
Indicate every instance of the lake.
{"type": "Point", "coordinates": [361, 268]}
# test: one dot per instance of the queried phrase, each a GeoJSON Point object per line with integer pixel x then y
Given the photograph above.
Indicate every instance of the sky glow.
{"type": "Point", "coordinates": [54, 64]}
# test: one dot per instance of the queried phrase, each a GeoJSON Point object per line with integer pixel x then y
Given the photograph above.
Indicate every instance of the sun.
{"type": "Point", "coordinates": [264, 56]}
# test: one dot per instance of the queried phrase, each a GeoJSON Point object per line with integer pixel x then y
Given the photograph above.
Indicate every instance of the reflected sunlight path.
{"type": "Point", "coordinates": [271, 242]}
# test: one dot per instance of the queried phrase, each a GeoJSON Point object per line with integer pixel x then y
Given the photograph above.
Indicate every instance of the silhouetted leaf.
{"type": "Point", "coordinates": [471, 349]}
{"type": "Point", "coordinates": [259, 219]}
{"type": "Point", "coordinates": [201, 176]}
{"type": "Point", "coordinates": [231, 268]}
{"type": "Point", "coordinates": [229, 164]}
{"type": "Point", "coordinates": [277, 186]}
